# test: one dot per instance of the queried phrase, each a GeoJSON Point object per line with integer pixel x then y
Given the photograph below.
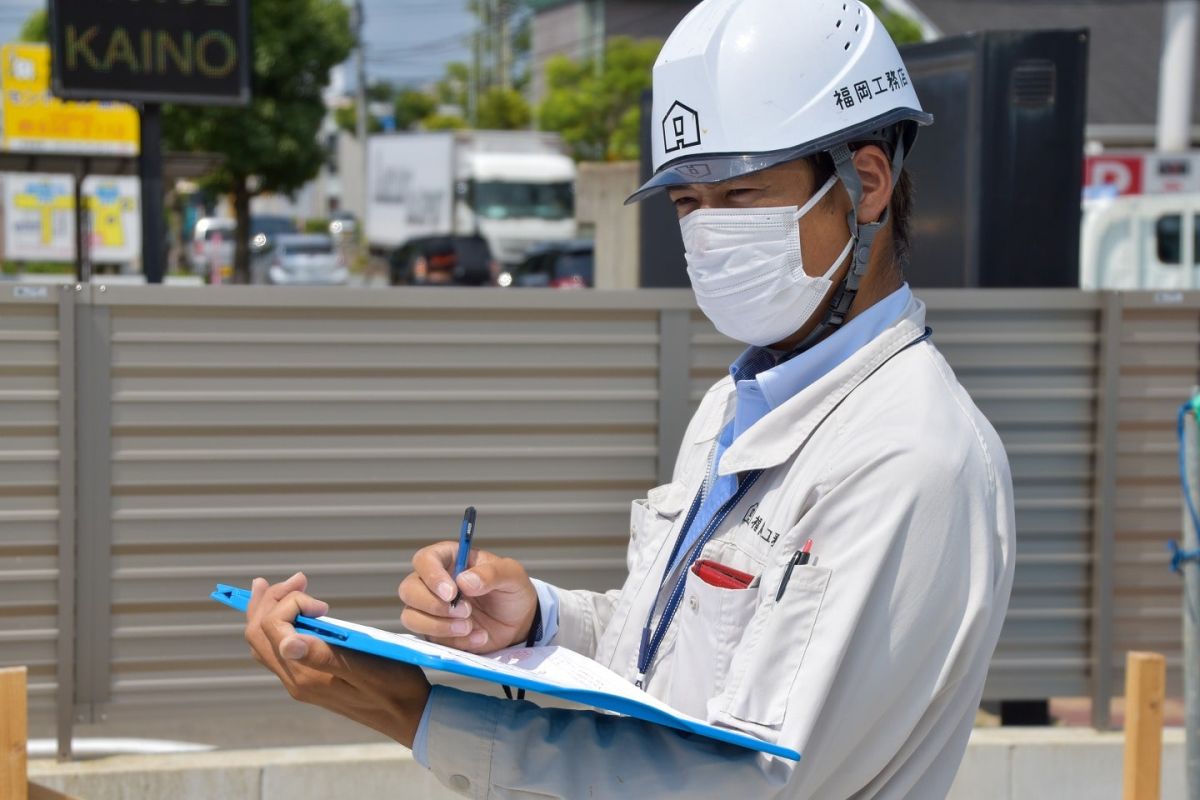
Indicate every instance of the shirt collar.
{"type": "Point", "coordinates": [764, 382]}
{"type": "Point", "coordinates": [789, 426]}
{"type": "Point", "coordinates": [782, 382]}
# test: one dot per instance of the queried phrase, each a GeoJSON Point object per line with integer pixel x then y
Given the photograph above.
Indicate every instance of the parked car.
{"type": "Point", "coordinates": [265, 227]}
{"type": "Point", "coordinates": [443, 261]}
{"type": "Point", "coordinates": [293, 259]}
{"type": "Point", "coordinates": [212, 239]}
{"type": "Point", "coordinates": [568, 264]}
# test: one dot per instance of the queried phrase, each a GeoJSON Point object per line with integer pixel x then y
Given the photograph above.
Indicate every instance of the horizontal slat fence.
{"type": "Point", "coordinates": [222, 433]}
{"type": "Point", "coordinates": [31, 507]}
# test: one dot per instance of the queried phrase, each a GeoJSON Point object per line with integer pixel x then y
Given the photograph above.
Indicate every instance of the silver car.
{"type": "Point", "coordinates": [301, 259]}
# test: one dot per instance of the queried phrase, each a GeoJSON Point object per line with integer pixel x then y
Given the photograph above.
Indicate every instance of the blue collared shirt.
{"type": "Point", "coordinates": [762, 384]}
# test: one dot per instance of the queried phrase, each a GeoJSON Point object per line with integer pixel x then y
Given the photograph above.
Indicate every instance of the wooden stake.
{"type": "Point", "coordinates": [14, 733]}
{"type": "Point", "coordinates": [1145, 689]}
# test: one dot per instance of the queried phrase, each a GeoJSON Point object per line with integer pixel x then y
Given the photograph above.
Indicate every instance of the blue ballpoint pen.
{"type": "Point", "coordinates": [464, 548]}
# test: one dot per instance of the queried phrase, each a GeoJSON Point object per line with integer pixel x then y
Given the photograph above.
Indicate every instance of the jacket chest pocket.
{"type": "Point", "coordinates": [762, 673]}
{"type": "Point", "coordinates": [710, 622]}
{"type": "Point", "coordinates": [650, 521]}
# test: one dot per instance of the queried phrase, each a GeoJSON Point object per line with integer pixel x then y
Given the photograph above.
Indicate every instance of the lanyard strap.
{"type": "Point", "coordinates": [651, 641]}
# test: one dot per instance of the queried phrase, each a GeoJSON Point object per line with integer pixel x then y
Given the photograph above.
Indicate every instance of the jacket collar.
{"type": "Point", "coordinates": [778, 435]}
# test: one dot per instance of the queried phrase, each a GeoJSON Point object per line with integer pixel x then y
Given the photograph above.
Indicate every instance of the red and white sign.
{"type": "Point", "coordinates": [1123, 172]}
{"type": "Point", "coordinates": [1143, 172]}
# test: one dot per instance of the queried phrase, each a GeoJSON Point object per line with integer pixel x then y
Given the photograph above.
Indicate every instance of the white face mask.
{"type": "Point", "coordinates": [747, 271]}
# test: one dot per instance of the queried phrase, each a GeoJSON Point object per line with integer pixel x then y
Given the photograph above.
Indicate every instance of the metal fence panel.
{"type": "Point", "coordinates": [308, 430]}
{"type": "Point", "coordinates": [30, 460]}
{"type": "Point", "coordinates": [1160, 363]}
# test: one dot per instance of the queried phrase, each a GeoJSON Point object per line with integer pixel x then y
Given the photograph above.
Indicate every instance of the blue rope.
{"type": "Point", "coordinates": [1179, 556]}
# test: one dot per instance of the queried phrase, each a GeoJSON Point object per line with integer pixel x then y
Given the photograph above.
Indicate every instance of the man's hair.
{"type": "Point", "coordinates": [900, 204]}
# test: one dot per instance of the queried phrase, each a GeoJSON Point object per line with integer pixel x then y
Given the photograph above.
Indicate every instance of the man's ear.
{"type": "Point", "coordinates": [875, 170]}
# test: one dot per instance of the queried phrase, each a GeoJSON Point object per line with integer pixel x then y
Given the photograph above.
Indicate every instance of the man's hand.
{"type": "Point", "coordinates": [495, 611]}
{"type": "Point", "coordinates": [385, 695]}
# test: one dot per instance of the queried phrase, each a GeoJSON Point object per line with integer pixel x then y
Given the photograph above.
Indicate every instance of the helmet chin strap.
{"type": "Point", "coordinates": [863, 235]}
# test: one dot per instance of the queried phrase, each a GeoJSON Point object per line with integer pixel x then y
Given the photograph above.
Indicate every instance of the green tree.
{"type": "Point", "coordinates": [443, 122]}
{"type": "Point", "coordinates": [411, 106]}
{"type": "Point", "coordinates": [272, 144]}
{"type": "Point", "coordinates": [599, 116]}
{"type": "Point", "coordinates": [36, 28]}
{"type": "Point", "coordinates": [503, 110]}
{"type": "Point", "coordinates": [902, 29]}
{"type": "Point", "coordinates": [346, 118]}
{"type": "Point", "coordinates": [452, 89]}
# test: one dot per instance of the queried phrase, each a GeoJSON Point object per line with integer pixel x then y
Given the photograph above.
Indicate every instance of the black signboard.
{"type": "Point", "coordinates": [172, 51]}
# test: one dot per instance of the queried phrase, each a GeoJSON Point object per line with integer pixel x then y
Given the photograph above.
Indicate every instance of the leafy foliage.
{"type": "Point", "coordinates": [36, 28]}
{"type": "Point", "coordinates": [902, 29]}
{"type": "Point", "coordinates": [503, 110]}
{"type": "Point", "coordinates": [598, 115]}
{"type": "Point", "coordinates": [273, 140]}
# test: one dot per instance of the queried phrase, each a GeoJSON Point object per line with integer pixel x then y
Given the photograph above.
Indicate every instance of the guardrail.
{"type": "Point", "coordinates": [155, 440]}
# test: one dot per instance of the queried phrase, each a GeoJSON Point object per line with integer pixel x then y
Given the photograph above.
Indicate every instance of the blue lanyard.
{"type": "Point", "coordinates": [651, 642]}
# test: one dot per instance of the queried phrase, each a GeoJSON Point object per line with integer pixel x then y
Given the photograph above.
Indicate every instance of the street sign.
{"type": "Point", "coordinates": [1148, 172]}
{"type": "Point", "coordinates": [31, 119]}
{"type": "Point", "coordinates": [39, 217]}
{"type": "Point", "coordinates": [168, 51]}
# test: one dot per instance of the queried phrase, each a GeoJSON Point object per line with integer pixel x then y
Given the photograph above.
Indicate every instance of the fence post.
{"type": "Point", "coordinates": [1145, 688]}
{"type": "Point", "coordinates": [1104, 494]}
{"type": "Point", "coordinates": [93, 475]}
{"type": "Point", "coordinates": [65, 668]}
{"type": "Point", "coordinates": [674, 385]}
{"type": "Point", "coordinates": [14, 728]}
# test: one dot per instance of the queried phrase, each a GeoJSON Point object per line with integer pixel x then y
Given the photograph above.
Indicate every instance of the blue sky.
{"type": "Point", "coordinates": [407, 40]}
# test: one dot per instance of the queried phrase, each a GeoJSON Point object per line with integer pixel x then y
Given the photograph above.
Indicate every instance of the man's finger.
{"type": "Point", "coordinates": [431, 565]}
{"type": "Point", "coordinates": [499, 575]}
{"type": "Point", "coordinates": [277, 625]}
{"type": "Point", "coordinates": [262, 592]}
{"type": "Point", "coordinates": [415, 594]}
{"type": "Point", "coordinates": [430, 625]}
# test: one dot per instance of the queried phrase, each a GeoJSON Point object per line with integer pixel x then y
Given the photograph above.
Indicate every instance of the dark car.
{"type": "Point", "coordinates": [556, 265]}
{"type": "Point", "coordinates": [443, 261]}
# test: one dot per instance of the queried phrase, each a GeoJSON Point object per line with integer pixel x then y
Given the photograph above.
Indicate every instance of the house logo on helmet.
{"type": "Point", "coordinates": [681, 127]}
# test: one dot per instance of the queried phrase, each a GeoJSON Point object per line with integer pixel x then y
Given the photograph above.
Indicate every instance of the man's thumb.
{"type": "Point", "coordinates": [484, 578]}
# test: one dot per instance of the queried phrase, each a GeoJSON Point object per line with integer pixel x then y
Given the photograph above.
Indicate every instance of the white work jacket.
{"type": "Point", "coordinates": [872, 662]}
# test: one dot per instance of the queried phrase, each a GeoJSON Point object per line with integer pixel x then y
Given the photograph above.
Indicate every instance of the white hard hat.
{"type": "Point", "coordinates": [743, 85]}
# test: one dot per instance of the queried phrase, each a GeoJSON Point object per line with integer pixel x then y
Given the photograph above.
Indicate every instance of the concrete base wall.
{"type": "Point", "coordinates": [1001, 764]}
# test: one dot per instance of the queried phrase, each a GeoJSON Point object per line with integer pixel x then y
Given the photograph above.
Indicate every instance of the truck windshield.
{"type": "Point", "coordinates": [504, 200]}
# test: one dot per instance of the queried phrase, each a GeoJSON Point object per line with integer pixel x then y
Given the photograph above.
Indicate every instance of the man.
{"type": "Point", "coordinates": [841, 434]}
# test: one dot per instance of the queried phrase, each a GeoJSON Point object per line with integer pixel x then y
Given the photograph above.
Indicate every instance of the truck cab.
{"type": "Point", "coordinates": [1141, 242]}
{"type": "Point", "coordinates": [515, 200]}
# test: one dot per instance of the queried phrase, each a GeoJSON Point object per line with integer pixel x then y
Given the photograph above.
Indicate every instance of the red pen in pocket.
{"type": "Point", "coordinates": [716, 574]}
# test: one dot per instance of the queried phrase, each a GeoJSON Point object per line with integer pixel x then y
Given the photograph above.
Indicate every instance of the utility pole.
{"type": "Point", "coordinates": [1177, 75]}
{"type": "Point", "coordinates": [597, 25]}
{"type": "Point", "coordinates": [505, 12]}
{"type": "Point", "coordinates": [360, 121]}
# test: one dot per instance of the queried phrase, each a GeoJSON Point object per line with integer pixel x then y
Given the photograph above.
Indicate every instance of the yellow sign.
{"type": "Point", "coordinates": [33, 119]}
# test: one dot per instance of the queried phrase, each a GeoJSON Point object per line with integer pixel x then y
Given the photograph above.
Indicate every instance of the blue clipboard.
{"type": "Point", "coordinates": [340, 636]}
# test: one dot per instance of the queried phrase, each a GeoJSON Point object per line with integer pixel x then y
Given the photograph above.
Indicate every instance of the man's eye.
{"type": "Point", "coordinates": [682, 200]}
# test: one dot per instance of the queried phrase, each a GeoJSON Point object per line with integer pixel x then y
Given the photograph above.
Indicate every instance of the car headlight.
{"type": "Point", "coordinates": [504, 280]}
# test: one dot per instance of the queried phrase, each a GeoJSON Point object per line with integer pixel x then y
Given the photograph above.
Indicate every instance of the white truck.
{"type": "Point", "coordinates": [513, 189]}
{"type": "Point", "coordinates": [1141, 242]}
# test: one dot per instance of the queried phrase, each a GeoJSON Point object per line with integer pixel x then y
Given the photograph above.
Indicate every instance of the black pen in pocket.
{"type": "Point", "coordinates": [799, 560]}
